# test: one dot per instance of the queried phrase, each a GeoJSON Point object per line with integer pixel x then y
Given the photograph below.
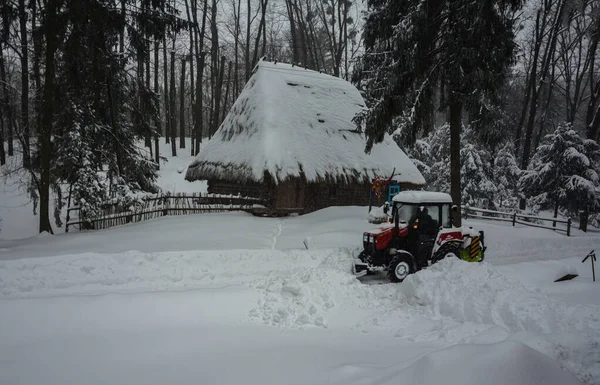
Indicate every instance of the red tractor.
{"type": "Point", "coordinates": [420, 233]}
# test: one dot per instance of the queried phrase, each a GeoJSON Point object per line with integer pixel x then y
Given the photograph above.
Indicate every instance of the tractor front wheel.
{"type": "Point", "coordinates": [446, 251]}
{"type": "Point", "coordinates": [402, 266]}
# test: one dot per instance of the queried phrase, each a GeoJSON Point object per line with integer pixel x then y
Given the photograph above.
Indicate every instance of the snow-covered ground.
{"type": "Point", "coordinates": [231, 298]}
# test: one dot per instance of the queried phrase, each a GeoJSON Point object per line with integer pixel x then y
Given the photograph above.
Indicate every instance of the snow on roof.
{"type": "Point", "coordinates": [416, 197]}
{"type": "Point", "coordinates": [290, 121]}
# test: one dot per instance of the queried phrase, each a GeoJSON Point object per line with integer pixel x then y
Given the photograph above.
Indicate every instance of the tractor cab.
{"type": "Point", "coordinates": [420, 233]}
{"type": "Point", "coordinates": [423, 211]}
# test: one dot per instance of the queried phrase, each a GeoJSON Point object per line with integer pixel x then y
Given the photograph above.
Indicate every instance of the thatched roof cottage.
{"type": "Point", "coordinates": [289, 139]}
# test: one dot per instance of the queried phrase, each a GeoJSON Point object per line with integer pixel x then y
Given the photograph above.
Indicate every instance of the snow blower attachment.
{"type": "Point", "coordinates": [421, 233]}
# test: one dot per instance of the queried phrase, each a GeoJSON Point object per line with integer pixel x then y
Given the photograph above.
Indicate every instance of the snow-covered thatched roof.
{"type": "Point", "coordinates": [291, 122]}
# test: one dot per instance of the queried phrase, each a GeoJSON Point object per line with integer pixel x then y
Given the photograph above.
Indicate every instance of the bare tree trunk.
{"type": "Point", "coordinates": [7, 103]}
{"type": "Point", "coordinates": [226, 94]}
{"type": "Point", "coordinates": [313, 43]}
{"type": "Point", "coordinates": [214, 69]}
{"type": "Point", "coordinates": [2, 153]}
{"type": "Point", "coordinates": [545, 109]}
{"type": "Point", "coordinates": [236, 49]}
{"type": "Point", "coordinates": [330, 33]}
{"type": "Point", "coordinates": [182, 106]}
{"type": "Point", "coordinates": [114, 124]}
{"type": "Point", "coordinates": [193, 47]}
{"type": "Point", "coordinates": [218, 91]}
{"type": "Point", "coordinates": [455, 128]}
{"type": "Point", "coordinates": [346, 11]}
{"type": "Point", "coordinates": [302, 34]}
{"type": "Point", "coordinates": [592, 117]}
{"type": "Point", "coordinates": [148, 88]}
{"type": "Point", "coordinates": [173, 121]}
{"type": "Point", "coordinates": [46, 137]}
{"type": "Point", "coordinates": [264, 32]}
{"type": "Point", "coordinates": [260, 30]}
{"type": "Point", "coordinates": [530, 83]}
{"type": "Point", "coordinates": [142, 65]}
{"type": "Point", "coordinates": [294, 39]}
{"type": "Point", "coordinates": [200, 104]}
{"type": "Point", "coordinates": [547, 57]}
{"type": "Point", "coordinates": [199, 79]}
{"type": "Point", "coordinates": [122, 34]}
{"type": "Point", "coordinates": [248, 22]}
{"type": "Point", "coordinates": [24, 83]}
{"type": "Point", "coordinates": [157, 119]}
{"type": "Point", "coordinates": [37, 77]}
{"type": "Point", "coordinates": [166, 91]}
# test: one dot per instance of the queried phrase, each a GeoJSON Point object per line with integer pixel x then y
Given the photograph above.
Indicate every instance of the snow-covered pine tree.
{"type": "Point", "coordinates": [506, 176]}
{"type": "Point", "coordinates": [108, 111]}
{"type": "Point", "coordinates": [77, 167]}
{"type": "Point", "coordinates": [432, 154]}
{"type": "Point", "coordinates": [420, 155]}
{"type": "Point", "coordinates": [439, 156]}
{"type": "Point", "coordinates": [413, 48]}
{"type": "Point", "coordinates": [478, 189]}
{"type": "Point", "coordinates": [563, 173]}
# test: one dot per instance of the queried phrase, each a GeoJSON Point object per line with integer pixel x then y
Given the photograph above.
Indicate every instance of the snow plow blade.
{"type": "Point", "coordinates": [360, 269]}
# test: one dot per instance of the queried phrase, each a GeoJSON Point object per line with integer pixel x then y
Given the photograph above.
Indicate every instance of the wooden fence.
{"type": "Point", "coordinates": [159, 206]}
{"type": "Point", "coordinates": [522, 219]}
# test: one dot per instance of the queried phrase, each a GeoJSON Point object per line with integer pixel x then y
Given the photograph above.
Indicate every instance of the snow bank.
{"type": "Point", "coordinates": [478, 293]}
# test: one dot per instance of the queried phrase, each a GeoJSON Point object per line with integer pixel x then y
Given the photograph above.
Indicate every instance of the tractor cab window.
{"type": "Point", "coordinates": [430, 219]}
{"type": "Point", "coordinates": [407, 213]}
{"type": "Point", "coordinates": [446, 217]}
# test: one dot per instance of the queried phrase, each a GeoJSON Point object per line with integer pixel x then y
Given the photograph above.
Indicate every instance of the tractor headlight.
{"type": "Point", "coordinates": [372, 238]}
{"type": "Point", "coordinates": [365, 237]}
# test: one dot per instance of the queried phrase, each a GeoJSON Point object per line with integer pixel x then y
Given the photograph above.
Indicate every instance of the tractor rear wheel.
{"type": "Point", "coordinates": [447, 250]}
{"type": "Point", "coordinates": [402, 266]}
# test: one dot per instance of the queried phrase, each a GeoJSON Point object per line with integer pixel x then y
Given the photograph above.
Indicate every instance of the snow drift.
{"type": "Point", "coordinates": [503, 363]}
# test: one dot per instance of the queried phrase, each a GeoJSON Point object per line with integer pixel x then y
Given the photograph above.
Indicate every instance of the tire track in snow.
{"type": "Point", "coordinates": [276, 234]}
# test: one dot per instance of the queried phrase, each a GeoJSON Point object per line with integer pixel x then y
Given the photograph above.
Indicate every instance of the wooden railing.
{"type": "Point", "coordinates": [517, 218]}
{"type": "Point", "coordinates": [159, 206]}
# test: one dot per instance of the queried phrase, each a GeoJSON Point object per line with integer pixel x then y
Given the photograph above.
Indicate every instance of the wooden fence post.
{"type": "Point", "coordinates": [68, 206]}
{"type": "Point", "coordinates": [514, 219]}
{"type": "Point", "coordinates": [569, 227]}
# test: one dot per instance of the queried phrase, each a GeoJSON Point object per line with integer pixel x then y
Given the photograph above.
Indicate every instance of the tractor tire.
{"type": "Point", "coordinates": [447, 250]}
{"type": "Point", "coordinates": [402, 266]}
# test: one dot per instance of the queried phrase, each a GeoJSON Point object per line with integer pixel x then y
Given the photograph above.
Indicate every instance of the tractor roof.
{"type": "Point", "coordinates": [416, 197]}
